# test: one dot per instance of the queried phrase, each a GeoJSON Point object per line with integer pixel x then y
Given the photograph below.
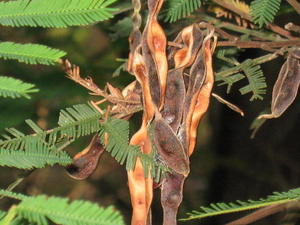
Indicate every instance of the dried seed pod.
{"type": "Point", "coordinates": [86, 161]}
{"type": "Point", "coordinates": [157, 42]}
{"type": "Point", "coordinates": [175, 95]}
{"type": "Point", "coordinates": [203, 99]}
{"type": "Point", "coordinates": [154, 82]}
{"type": "Point", "coordinates": [169, 147]}
{"type": "Point", "coordinates": [192, 38]}
{"type": "Point", "coordinates": [140, 72]}
{"type": "Point", "coordinates": [141, 188]}
{"type": "Point", "coordinates": [286, 87]}
{"type": "Point", "coordinates": [171, 197]}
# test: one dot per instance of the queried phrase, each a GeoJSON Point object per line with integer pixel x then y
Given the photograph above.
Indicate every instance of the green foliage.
{"type": "Point", "coordinates": [41, 209]}
{"type": "Point", "coordinates": [14, 88]}
{"type": "Point", "coordinates": [54, 13]}
{"type": "Point", "coordinates": [118, 137]}
{"type": "Point", "coordinates": [74, 122]}
{"type": "Point", "coordinates": [2, 214]}
{"type": "Point", "coordinates": [257, 82]}
{"type": "Point", "coordinates": [122, 28]}
{"type": "Point", "coordinates": [177, 9]}
{"type": "Point", "coordinates": [264, 11]}
{"type": "Point", "coordinates": [35, 157]}
{"type": "Point", "coordinates": [223, 208]}
{"type": "Point", "coordinates": [30, 53]}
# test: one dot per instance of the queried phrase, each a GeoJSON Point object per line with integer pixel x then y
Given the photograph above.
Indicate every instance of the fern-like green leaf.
{"type": "Point", "coordinates": [74, 122]}
{"type": "Point", "coordinates": [264, 11]}
{"type": "Point", "coordinates": [30, 53]}
{"type": "Point", "coordinates": [118, 138]}
{"type": "Point", "coordinates": [40, 209]}
{"type": "Point", "coordinates": [33, 158]}
{"type": "Point", "coordinates": [54, 13]}
{"type": "Point", "coordinates": [177, 9]}
{"type": "Point", "coordinates": [257, 82]}
{"type": "Point", "coordinates": [2, 214]}
{"type": "Point", "coordinates": [223, 208]}
{"type": "Point", "coordinates": [14, 88]}
{"type": "Point", "coordinates": [229, 80]}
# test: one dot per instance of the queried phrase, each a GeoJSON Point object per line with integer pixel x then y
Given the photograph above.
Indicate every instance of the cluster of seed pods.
{"type": "Point", "coordinates": [176, 85]}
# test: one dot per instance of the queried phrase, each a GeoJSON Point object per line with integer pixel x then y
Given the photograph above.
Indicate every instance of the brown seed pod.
{"type": "Point", "coordinates": [157, 42]}
{"type": "Point", "coordinates": [286, 87]}
{"type": "Point", "coordinates": [192, 38]}
{"type": "Point", "coordinates": [175, 96]}
{"type": "Point", "coordinates": [169, 147]}
{"type": "Point", "coordinates": [154, 82]}
{"type": "Point", "coordinates": [86, 161]}
{"type": "Point", "coordinates": [171, 197]}
{"type": "Point", "coordinates": [141, 188]}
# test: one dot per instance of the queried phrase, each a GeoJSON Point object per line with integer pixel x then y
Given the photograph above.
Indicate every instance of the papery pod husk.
{"type": "Point", "coordinates": [169, 147]}
{"type": "Point", "coordinates": [154, 83]}
{"type": "Point", "coordinates": [157, 43]}
{"type": "Point", "coordinates": [86, 161]}
{"type": "Point", "coordinates": [192, 38]}
{"type": "Point", "coordinates": [286, 87]}
{"type": "Point", "coordinates": [171, 197]}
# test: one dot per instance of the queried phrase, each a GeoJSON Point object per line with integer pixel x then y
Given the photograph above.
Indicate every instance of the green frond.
{"type": "Point", "coordinates": [224, 208]}
{"type": "Point", "coordinates": [2, 214]}
{"type": "Point", "coordinates": [54, 13]}
{"type": "Point", "coordinates": [257, 82]}
{"type": "Point", "coordinates": [118, 139]}
{"type": "Point", "coordinates": [30, 53]}
{"type": "Point", "coordinates": [40, 209]}
{"type": "Point", "coordinates": [10, 194]}
{"type": "Point", "coordinates": [229, 80]}
{"type": "Point", "coordinates": [14, 88]}
{"type": "Point", "coordinates": [9, 217]}
{"type": "Point", "coordinates": [177, 9]}
{"type": "Point", "coordinates": [74, 122]}
{"type": "Point", "coordinates": [35, 157]}
{"type": "Point", "coordinates": [264, 11]}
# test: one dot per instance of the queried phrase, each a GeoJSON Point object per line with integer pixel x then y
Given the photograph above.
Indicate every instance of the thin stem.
{"type": "Point", "coordinates": [295, 5]}
{"type": "Point", "coordinates": [260, 44]}
{"type": "Point", "coordinates": [246, 16]}
{"type": "Point", "coordinates": [259, 214]}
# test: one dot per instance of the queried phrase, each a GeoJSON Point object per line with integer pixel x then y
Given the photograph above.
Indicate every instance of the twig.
{"type": "Point", "coordinates": [246, 16]}
{"type": "Point", "coordinates": [260, 44]}
{"type": "Point", "coordinates": [256, 61]}
{"type": "Point", "coordinates": [259, 214]}
{"type": "Point", "coordinates": [232, 27]}
{"type": "Point", "coordinates": [292, 27]}
{"type": "Point", "coordinates": [295, 5]}
{"type": "Point", "coordinates": [229, 104]}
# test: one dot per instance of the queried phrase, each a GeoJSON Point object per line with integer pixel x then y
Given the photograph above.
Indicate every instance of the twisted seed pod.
{"type": "Point", "coordinates": [286, 87]}
{"type": "Point", "coordinates": [86, 161]}
{"type": "Point", "coordinates": [157, 42]}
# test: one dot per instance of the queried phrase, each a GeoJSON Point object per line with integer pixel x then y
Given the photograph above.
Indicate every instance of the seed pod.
{"type": "Point", "coordinates": [141, 188]}
{"type": "Point", "coordinates": [157, 42]}
{"type": "Point", "coordinates": [286, 87]}
{"type": "Point", "coordinates": [154, 83]}
{"type": "Point", "coordinates": [203, 99]}
{"type": "Point", "coordinates": [171, 197]}
{"type": "Point", "coordinates": [192, 38]}
{"type": "Point", "coordinates": [175, 95]}
{"type": "Point", "coordinates": [86, 161]}
{"type": "Point", "coordinates": [169, 147]}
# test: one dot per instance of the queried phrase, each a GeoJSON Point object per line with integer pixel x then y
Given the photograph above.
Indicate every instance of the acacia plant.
{"type": "Point", "coordinates": [173, 85]}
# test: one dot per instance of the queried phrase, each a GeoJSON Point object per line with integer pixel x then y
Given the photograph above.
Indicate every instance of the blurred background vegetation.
{"type": "Point", "coordinates": [227, 165]}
